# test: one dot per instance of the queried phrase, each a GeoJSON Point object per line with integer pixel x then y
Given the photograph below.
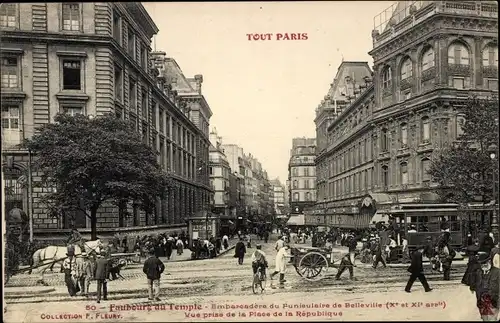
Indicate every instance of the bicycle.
{"type": "Point", "coordinates": [259, 280]}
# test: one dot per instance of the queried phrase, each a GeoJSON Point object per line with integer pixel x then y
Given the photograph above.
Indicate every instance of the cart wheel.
{"type": "Point", "coordinates": [311, 265]}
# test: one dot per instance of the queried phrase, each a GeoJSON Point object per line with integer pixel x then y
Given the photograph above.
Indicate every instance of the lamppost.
{"type": "Point", "coordinates": [494, 225]}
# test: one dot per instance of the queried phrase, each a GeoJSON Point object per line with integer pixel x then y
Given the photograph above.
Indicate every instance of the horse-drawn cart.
{"type": "Point", "coordinates": [312, 263]}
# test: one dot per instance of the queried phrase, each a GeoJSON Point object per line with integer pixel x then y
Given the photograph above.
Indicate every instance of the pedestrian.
{"type": "Point", "coordinates": [345, 263]}
{"type": "Point", "coordinates": [153, 268]}
{"type": "Point", "coordinates": [240, 250]}
{"type": "Point", "coordinates": [82, 264]}
{"type": "Point", "coordinates": [281, 261]}
{"type": "Point", "coordinates": [280, 243]}
{"type": "Point", "coordinates": [416, 270]}
{"type": "Point", "coordinates": [472, 263]}
{"type": "Point", "coordinates": [70, 272]}
{"type": "Point", "coordinates": [353, 243]}
{"type": "Point", "coordinates": [485, 282]}
{"type": "Point", "coordinates": [101, 275]}
{"type": "Point", "coordinates": [225, 241]}
{"type": "Point", "coordinates": [180, 247]}
{"type": "Point", "coordinates": [377, 254]}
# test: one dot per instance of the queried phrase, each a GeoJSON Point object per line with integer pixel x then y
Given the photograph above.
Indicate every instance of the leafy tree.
{"type": "Point", "coordinates": [93, 160]}
{"type": "Point", "coordinates": [465, 169]}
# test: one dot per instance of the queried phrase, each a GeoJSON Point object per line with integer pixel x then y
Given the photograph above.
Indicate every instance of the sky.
{"type": "Point", "coordinates": [264, 93]}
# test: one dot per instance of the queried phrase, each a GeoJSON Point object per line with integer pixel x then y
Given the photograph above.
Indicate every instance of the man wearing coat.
{"type": "Point", "coordinates": [153, 268]}
{"type": "Point", "coordinates": [416, 270]}
{"type": "Point", "coordinates": [377, 252]}
{"type": "Point", "coordinates": [240, 250]}
{"type": "Point", "coordinates": [101, 275]}
{"type": "Point", "coordinates": [485, 282]}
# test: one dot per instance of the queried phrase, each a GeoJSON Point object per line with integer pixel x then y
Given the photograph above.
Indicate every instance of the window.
{"type": "Point", "coordinates": [490, 56]}
{"type": "Point", "coordinates": [460, 124]}
{"type": "Point", "coordinates": [153, 114]}
{"type": "Point", "coordinates": [72, 74]}
{"type": "Point", "coordinates": [118, 84]}
{"type": "Point", "coordinates": [161, 121]}
{"type": "Point", "coordinates": [458, 83]}
{"type": "Point", "coordinates": [404, 134]}
{"type": "Point", "coordinates": [428, 60]}
{"type": "Point", "coordinates": [132, 94]}
{"type": "Point", "coordinates": [144, 103]}
{"type": "Point", "coordinates": [386, 78]}
{"type": "Point", "coordinates": [10, 117]}
{"type": "Point", "coordinates": [385, 176]}
{"type": "Point", "coordinates": [426, 129]}
{"type": "Point", "coordinates": [10, 72]}
{"type": "Point", "coordinates": [306, 171]}
{"type": "Point", "coordinates": [492, 85]}
{"type": "Point", "coordinates": [71, 16]}
{"type": "Point", "coordinates": [384, 140]}
{"type": "Point", "coordinates": [72, 110]}
{"type": "Point", "coordinates": [458, 54]}
{"type": "Point", "coordinates": [306, 183]}
{"type": "Point", "coordinates": [426, 163]}
{"type": "Point", "coordinates": [144, 57]}
{"type": "Point", "coordinates": [404, 173]}
{"type": "Point", "coordinates": [406, 69]}
{"type": "Point", "coordinates": [145, 134]}
{"type": "Point", "coordinates": [295, 196]}
{"type": "Point", "coordinates": [8, 15]}
{"type": "Point", "coordinates": [308, 196]}
{"type": "Point", "coordinates": [167, 126]}
{"type": "Point", "coordinates": [295, 184]}
{"type": "Point", "coordinates": [131, 43]}
{"type": "Point", "coordinates": [117, 27]}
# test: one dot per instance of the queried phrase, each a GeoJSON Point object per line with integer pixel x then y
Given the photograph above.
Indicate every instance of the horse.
{"type": "Point", "coordinates": [56, 254]}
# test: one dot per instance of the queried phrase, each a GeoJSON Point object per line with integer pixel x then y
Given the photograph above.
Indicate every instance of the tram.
{"type": "Point", "coordinates": [419, 221]}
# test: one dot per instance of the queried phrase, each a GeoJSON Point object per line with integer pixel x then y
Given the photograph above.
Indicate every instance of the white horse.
{"type": "Point", "coordinates": [56, 254]}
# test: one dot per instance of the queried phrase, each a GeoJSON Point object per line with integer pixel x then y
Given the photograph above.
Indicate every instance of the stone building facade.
{"type": "Point", "coordinates": [302, 174]}
{"type": "Point", "coordinates": [429, 57]}
{"type": "Point", "coordinates": [95, 58]}
{"type": "Point", "coordinates": [219, 176]}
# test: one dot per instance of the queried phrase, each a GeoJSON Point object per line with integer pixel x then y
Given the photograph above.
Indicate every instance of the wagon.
{"type": "Point", "coordinates": [312, 263]}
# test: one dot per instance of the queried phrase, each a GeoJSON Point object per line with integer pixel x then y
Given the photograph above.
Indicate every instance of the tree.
{"type": "Point", "coordinates": [92, 160]}
{"type": "Point", "coordinates": [465, 170]}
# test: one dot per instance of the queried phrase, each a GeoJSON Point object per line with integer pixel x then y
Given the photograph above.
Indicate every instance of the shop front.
{"type": "Point", "coordinates": [203, 226]}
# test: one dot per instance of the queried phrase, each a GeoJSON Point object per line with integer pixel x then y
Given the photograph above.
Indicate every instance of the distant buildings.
{"type": "Point", "coordinates": [279, 196]}
{"type": "Point", "coordinates": [302, 174]}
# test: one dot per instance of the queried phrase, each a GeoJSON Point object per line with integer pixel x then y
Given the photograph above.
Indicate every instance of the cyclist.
{"type": "Point", "coordinates": [259, 260]}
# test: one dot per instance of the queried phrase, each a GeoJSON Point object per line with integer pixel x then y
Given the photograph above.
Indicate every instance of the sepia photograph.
{"type": "Point", "coordinates": [250, 161]}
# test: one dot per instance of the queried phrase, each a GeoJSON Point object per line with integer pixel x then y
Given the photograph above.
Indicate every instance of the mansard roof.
{"type": "Point", "coordinates": [356, 70]}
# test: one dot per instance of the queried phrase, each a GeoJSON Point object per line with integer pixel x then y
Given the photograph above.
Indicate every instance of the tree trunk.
{"type": "Point", "coordinates": [93, 224]}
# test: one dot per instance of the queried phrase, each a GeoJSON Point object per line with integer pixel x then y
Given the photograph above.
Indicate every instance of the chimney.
{"type": "Point", "coordinates": [199, 79]}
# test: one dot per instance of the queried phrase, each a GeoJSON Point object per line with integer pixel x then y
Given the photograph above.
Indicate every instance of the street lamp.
{"type": "Point", "coordinates": [494, 226]}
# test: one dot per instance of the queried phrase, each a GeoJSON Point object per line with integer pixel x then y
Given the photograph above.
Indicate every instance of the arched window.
{"type": "Point", "coordinates": [295, 184]}
{"type": "Point", "coordinates": [406, 69]}
{"type": "Point", "coordinates": [426, 163]}
{"type": "Point", "coordinates": [458, 54]}
{"type": "Point", "coordinates": [386, 77]}
{"type": "Point", "coordinates": [460, 124]}
{"type": "Point", "coordinates": [404, 134]}
{"type": "Point", "coordinates": [426, 129]}
{"type": "Point", "coordinates": [428, 59]}
{"type": "Point", "coordinates": [404, 173]}
{"type": "Point", "coordinates": [385, 176]}
{"type": "Point", "coordinates": [384, 140]}
{"type": "Point", "coordinates": [490, 56]}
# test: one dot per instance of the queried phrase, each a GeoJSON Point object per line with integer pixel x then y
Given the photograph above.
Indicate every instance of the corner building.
{"type": "Point", "coordinates": [95, 58]}
{"type": "Point", "coordinates": [428, 58]}
{"type": "Point", "coordinates": [302, 174]}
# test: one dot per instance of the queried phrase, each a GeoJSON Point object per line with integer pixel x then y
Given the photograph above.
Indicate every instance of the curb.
{"type": "Point", "coordinates": [7, 293]}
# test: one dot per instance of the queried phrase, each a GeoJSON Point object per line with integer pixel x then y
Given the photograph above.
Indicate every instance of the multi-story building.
{"type": "Point", "coordinates": [95, 58]}
{"type": "Point", "coordinates": [428, 58]}
{"type": "Point", "coordinates": [278, 196]}
{"type": "Point", "coordinates": [302, 174]}
{"type": "Point", "coordinates": [219, 175]}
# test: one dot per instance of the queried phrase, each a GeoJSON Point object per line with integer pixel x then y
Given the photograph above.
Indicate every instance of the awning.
{"type": "Point", "coordinates": [379, 217]}
{"type": "Point", "coordinates": [381, 198]}
{"type": "Point", "coordinates": [298, 219]}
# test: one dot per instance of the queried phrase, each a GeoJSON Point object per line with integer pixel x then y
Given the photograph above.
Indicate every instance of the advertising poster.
{"type": "Point", "coordinates": [250, 161]}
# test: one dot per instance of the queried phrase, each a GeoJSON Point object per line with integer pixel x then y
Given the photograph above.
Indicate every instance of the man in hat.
{"type": "Point", "coordinates": [485, 282]}
{"type": "Point", "coordinates": [70, 272]}
{"type": "Point", "coordinates": [153, 268]}
{"type": "Point", "coordinates": [416, 270]}
{"type": "Point", "coordinates": [377, 253]}
{"type": "Point", "coordinates": [101, 275]}
{"type": "Point", "coordinates": [84, 273]}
